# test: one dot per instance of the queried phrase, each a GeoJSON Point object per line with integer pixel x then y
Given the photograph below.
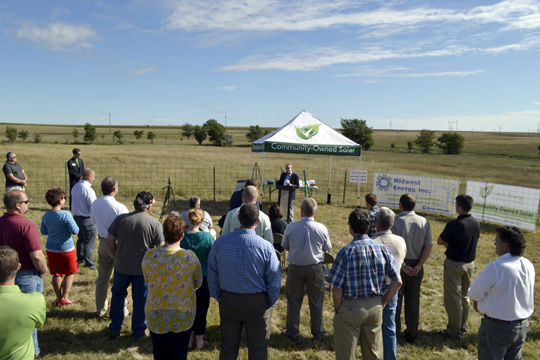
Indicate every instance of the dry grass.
{"type": "Point", "coordinates": [75, 333]}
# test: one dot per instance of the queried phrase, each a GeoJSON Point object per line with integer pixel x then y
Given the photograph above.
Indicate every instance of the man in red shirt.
{"type": "Point", "coordinates": [21, 235]}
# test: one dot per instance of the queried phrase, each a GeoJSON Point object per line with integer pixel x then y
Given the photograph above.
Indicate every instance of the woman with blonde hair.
{"type": "Point", "coordinates": [172, 274]}
{"type": "Point", "coordinates": [200, 242]}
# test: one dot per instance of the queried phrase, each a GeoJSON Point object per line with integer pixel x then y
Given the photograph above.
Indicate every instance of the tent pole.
{"type": "Point", "coordinates": [250, 165]}
{"type": "Point", "coordinates": [359, 168]}
{"type": "Point", "coordinates": [329, 196]}
{"type": "Point", "coordinates": [262, 177]}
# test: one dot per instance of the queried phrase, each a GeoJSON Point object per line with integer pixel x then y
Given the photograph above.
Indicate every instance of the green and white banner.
{"type": "Point", "coordinates": [432, 194]}
{"type": "Point", "coordinates": [504, 204]}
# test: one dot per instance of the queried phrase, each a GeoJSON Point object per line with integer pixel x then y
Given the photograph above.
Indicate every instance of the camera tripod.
{"type": "Point", "coordinates": [170, 193]}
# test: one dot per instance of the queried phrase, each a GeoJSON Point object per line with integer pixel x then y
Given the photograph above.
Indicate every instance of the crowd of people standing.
{"type": "Point", "coordinates": [174, 269]}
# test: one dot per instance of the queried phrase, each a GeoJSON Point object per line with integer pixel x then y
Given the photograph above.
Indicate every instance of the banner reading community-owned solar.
{"type": "Point", "coordinates": [432, 194]}
{"type": "Point", "coordinates": [505, 204]}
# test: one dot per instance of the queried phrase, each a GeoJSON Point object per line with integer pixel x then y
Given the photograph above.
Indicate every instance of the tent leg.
{"type": "Point", "coordinates": [359, 168]}
{"type": "Point", "coordinates": [262, 177]}
{"type": "Point", "coordinates": [329, 196]}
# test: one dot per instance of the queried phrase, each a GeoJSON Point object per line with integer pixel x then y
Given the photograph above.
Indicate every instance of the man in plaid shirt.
{"type": "Point", "coordinates": [358, 278]}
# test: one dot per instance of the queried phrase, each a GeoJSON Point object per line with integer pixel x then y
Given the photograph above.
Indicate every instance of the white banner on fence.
{"type": "Point", "coordinates": [505, 204]}
{"type": "Point", "coordinates": [432, 194]}
{"type": "Point", "coordinates": [358, 176]}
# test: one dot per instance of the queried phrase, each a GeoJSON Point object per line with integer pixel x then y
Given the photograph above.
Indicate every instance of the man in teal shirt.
{"type": "Point", "coordinates": [20, 313]}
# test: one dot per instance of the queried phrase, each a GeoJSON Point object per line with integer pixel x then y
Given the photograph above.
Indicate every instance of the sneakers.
{"type": "Point", "coordinates": [66, 302]}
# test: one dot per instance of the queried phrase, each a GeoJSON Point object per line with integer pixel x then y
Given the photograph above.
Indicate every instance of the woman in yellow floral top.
{"type": "Point", "coordinates": [172, 274]}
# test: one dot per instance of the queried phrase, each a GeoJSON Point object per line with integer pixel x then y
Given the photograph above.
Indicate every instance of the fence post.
{"type": "Point", "coordinates": [344, 186]}
{"type": "Point", "coordinates": [214, 184]}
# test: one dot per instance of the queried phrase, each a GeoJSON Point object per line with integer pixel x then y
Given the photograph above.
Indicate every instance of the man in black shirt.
{"type": "Point", "coordinates": [75, 167]}
{"type": "Point", "coordinates": [460, 238]}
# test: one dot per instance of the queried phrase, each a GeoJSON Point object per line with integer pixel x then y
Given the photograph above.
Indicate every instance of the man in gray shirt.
{"type": "Point", "coordinates": [130, 236]}
{"type": "Point", "coordinates": [416, 231]}
{"type": "Point", "coordinates": [307, 241]}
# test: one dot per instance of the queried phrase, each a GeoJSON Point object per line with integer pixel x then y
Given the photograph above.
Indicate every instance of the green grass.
{"type": "Point", "coordinates": [75, 333]}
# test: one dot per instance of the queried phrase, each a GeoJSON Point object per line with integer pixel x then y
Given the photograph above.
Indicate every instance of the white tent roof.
{"type": "Point", "coordinates": [305, 134]}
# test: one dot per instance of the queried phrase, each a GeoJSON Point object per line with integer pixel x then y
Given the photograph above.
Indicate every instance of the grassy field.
{"type": "Point", "coordinates": [75, 333]}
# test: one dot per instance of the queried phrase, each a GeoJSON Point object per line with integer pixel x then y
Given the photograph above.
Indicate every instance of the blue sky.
{"type": "Point", "coordinates": [404, 64]}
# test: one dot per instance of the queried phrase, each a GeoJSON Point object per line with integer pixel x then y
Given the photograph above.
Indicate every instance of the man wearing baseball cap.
{"type": "Point", "coordinates": [130, 236]}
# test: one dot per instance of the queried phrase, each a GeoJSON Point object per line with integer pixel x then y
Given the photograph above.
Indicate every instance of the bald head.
{"type": "Point", "coordinates": [250, 195]}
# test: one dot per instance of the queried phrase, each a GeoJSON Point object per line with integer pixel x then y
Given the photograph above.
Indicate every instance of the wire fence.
{"type": "Point", "coordinates": [210, 183]}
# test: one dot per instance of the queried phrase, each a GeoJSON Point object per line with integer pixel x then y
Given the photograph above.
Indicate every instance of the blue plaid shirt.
{"type": "Point", "coordinates": [372, 212]}
{"type": "Point", "coordinates": [361, 267]}
{"type": "Point", "coordinates": [244, 263]}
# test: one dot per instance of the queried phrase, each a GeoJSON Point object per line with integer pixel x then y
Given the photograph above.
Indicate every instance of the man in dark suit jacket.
{"type": "Point", "coordinates": [75, 167]}
{"type": "Point", "coordinates": [288, 178]}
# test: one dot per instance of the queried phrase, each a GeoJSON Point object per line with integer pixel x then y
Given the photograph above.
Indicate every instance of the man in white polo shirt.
{"type": "Point", "coordinates": [103, 211]}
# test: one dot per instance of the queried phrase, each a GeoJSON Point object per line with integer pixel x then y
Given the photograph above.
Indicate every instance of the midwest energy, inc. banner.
{"type": "Point", "coordinates": [505, 204]}
{"type": "Point", "coordinates": [432, 194]}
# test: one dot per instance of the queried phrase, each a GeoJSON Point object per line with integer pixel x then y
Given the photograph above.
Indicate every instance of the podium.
{"type": "Point", "coordinates": [285, 199]}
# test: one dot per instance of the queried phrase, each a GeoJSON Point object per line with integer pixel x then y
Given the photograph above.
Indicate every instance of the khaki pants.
{"type": "Point", "coordinates": [105, 269]}
{"type": "Point", "coordinates": [359, 320]}
{"type": "Point", "coordinates": [457, 280]}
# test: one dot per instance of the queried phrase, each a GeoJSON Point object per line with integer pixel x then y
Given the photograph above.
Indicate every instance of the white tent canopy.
{"type": "Point", "coordinates": [305, 134]}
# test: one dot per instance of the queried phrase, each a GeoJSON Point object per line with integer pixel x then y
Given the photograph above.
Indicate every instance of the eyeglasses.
{"type": "Point", "coordinates": [25, 202]}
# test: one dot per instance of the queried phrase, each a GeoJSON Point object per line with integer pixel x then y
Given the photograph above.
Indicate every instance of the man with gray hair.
{"type": "Point", "coordinates": [130, 236]}
{"type": "Point", "coordinates": [102, 213]}
{"type": "Point", "coordinates": [15, 176]}
{"type": "Point", "coordinates": [384, 220]}
{"type": "Point", "coordinates": [206, 225]}
{"type": "Point", "coordinates": [263, 229]}
{"type": "Point", "coordinates": [307, 241]}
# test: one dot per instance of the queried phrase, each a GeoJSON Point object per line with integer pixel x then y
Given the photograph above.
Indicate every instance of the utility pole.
{"type": "Point", "coordinates": [109, 122]}
{"type": "Point", "coordinates": [225, 120]}
{"type": "Point", "coordinates": [390, 124]}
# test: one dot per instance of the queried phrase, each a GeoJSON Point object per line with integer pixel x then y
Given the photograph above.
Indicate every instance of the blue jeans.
{"type": "Point", "coordinates": [29, 281]}
{"type": "Point", "coordinates": [87, 240]}
{"type": "Point", "coordinates": [389, 329]}
{"type": "Point", "coordinates": [139, 290]}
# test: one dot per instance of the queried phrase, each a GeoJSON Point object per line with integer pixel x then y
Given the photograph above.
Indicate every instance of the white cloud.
{"type": "Point", "coordinates": [226, 88]}
{"type": "Point", "coordinates": [305, 15]}
{"type": "Point", "coordinates": [59, 36]}
{"type": "Point", "coordinates": [316, 59]}
{"type": "Point", "coordinates": [139, 72]}
{"type": "Point", "coordinates": [537, 103]}
{"type": "Point", "coordinates": [401, 72]}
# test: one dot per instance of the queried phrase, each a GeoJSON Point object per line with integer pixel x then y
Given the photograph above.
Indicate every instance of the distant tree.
{"type": "Point", "coordinates": [90, 133]}
{"type": "Point", "coordinates": [216, 132]}
{"type": "Point", "coordinates": [425, 140]}
{"type": "Point", "coordinates": [200, 133]}
{"type": "Point", "coordinates": [138, 134]}
{"type": "Point", "coordinates": [151, 136]}
{"type": "Point", "coordinates": [451, 143]}
{"type": "Point", "coordinates": [255, 133]}
{"type": "Point", "coordinates": [75, 134]}
{"type": "Point", "coordinates": [23, 134]}
{"type": "Point", "coordinates": [37, 138]}
{"type": "Point", "coordinates": [358, 131]}
{"type": "Point", "coordinates": [409, 145]}
{"type": "Point", "coordinates": [227, 140]}
{"type": "Point", "coordinates": [118, 135]}
{"type": "Point", "coordinates": [187, 130]}
{"type": "Point", "coordinates": [11, 133]}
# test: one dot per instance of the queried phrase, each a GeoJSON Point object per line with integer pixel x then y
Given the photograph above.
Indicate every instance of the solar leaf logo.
{"type": "Point", "coordinates": [486, 191]}
{"type": "Point", "coordinates": [308, 131]}
{"type": "Point", "coordinates": [384, 182]}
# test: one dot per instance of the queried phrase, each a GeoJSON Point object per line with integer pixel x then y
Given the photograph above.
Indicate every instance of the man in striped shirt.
{"type": "Point", "coordinates": [358, 279]}
{"type": "Point", "coordinates": [244, 277]}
